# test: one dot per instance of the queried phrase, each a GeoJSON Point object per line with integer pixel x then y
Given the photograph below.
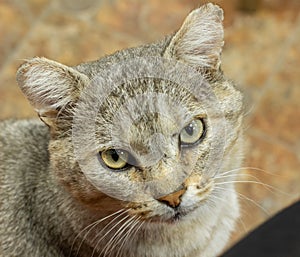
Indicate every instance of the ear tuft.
{"type": "Point", "coordinates": [49, 85]}
{"type": "Point", "coordinates": [200, 40]}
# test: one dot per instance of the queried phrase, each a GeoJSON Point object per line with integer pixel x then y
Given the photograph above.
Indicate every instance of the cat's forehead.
{"type": "Point", "coordinates": [139, 109]}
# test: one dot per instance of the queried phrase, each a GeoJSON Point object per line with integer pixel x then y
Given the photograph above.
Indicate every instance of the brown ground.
{"type": "Point", "coordinates": [262, 53]}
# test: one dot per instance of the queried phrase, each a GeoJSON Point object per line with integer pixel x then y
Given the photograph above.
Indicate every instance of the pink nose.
{"type": "Point", "coordinates": [173, 200]}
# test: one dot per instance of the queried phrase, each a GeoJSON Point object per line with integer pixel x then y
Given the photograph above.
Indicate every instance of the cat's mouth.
{"type": "Point", "coordinates": [177, 216]}
{"type": "Point", "coordinates": [181, 214]}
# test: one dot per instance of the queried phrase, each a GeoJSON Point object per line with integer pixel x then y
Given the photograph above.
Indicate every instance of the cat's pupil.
{"type": "Point", "coordinates": [114, 155]}
{"type": "Point", "coordinates": [189, 129]}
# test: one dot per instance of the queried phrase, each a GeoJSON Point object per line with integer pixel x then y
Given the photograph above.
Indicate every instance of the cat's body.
{"type": "Point", "coordinates": [47, 199]}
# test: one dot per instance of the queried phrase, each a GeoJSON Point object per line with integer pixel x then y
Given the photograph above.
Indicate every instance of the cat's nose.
{"type": "Point", "coordinates": [174, 199]}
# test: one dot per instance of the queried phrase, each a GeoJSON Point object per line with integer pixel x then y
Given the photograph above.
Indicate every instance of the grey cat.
{"type": "Point", "coordinates": [125, 163]}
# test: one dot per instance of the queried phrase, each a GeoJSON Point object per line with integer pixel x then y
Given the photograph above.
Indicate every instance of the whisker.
{"type": "Point", "coordinates": [126, 236]}
{"type": "Point", "coordinates": [98, 242]}
{"type": "Point", "coordinates": [131, 226]}
{"type": "Point", "coordinates": [242, 196]}
{"type": "Point", "coordinates": [270, 188]}
{"type": "Point", "coordinates": [249, 169]}
{"type": "Point", "coordinates": [244, 175]}
{"type": "Point", "coordinates": [110, 245]}
{"type": "Point", "coordinates": [238, 175]}
{"type": "Point", "coordinates": [136, 231]}
{"type": "Point", "coordinates": [93, 225]}
{"type": "Point", "coordinates": [108, 224]}
{"type": "Point", "coordinates": [249, 111]}
{"type": "Point", "coordinates": [223, 200]}
{"type": "Point", "coordinates": [90, 227]}
{"type": "Point", "coordinates": [243, 224]}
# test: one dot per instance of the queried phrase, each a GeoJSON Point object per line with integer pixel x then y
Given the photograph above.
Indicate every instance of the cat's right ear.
{"type": "Point", "coordinates": [200, 39]}
{"type": "Point", "coordinates": [50, 86]}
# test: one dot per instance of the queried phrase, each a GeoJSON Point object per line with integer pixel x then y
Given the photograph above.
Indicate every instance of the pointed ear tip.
{"type": "Point", "coordinates": [34, 60]}
{"type": "Point", "coordinates": [27, 63]}
{"type": "Point", "coordinates": [212, 9]}
{"type": "Point", "coordinates": [25, 66]}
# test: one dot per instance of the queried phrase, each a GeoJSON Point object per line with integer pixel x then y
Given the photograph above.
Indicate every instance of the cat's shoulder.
{"type": "Point", "coordinates": [21, 139]}
{"type": "Point", "coordinates": [22, 131]}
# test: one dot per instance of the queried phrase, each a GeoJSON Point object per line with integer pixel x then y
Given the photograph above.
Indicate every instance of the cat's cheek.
{"type": "Point", "coordinates": [89, 197]}
{"type": "Point", "coordinates": [67, 172]}
{"type": "Point", "coordinates": [189, 156]}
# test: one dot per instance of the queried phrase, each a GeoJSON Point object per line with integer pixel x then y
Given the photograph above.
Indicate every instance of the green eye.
{"type": "Point", "coordinates": [193, 132]}
{"type": "Point", "coordinates": [115, 158]}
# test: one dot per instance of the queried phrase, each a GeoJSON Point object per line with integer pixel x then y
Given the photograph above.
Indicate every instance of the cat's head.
{"type": "Point", "coordinates": [148, 128]}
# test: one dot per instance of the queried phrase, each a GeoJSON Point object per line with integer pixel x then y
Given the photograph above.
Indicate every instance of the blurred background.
{"type": "Point", "coordinates": [261, 53]}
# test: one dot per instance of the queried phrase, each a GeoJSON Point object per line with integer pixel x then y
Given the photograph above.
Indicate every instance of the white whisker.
{"type": "Point", "coordinates": [115, 225]}
{"type": "Point", "coordinates": [242, 196]}
{"type": "Point", "coordinates": [90, 227]}
{"type": "Point", "coordinates": [270, 188]}
{"type": "Point", "coordinates": [111, 244]}
{"type": "Point", "coordinates": [237, 175]}
{"type": "Point", "coordinates": [136, 230]}
{"type": "Point", "coordinates": [126, 236]}
{"type": "Point", "coordinates": [224, 201]}
{"type": "Point", "coordinates": [249, 169]}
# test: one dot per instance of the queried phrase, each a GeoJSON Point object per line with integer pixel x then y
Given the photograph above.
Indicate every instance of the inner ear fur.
{"type": "Point", "coordinates": [200, 39]}
{"type": "Point", "coordinates": [49, 86]}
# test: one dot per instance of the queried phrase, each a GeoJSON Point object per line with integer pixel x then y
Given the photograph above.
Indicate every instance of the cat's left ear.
{"type": "Point", "coordinates": [200, 39]}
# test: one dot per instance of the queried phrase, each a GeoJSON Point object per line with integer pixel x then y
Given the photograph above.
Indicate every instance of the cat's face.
{"type": "Point", "coordinates": [166, 144]}
{"type": "Point", "coordinates": [150, 138]}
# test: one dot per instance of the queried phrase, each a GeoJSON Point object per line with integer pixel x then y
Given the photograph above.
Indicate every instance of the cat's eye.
{"type": "Point", "coordinates": [115, 158]}
{"type": "Point", "coordinates": [193, 132]}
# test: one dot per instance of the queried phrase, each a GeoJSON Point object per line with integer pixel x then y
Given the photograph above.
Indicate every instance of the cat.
{"type": "Point", "coordinates": [135, 155]}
